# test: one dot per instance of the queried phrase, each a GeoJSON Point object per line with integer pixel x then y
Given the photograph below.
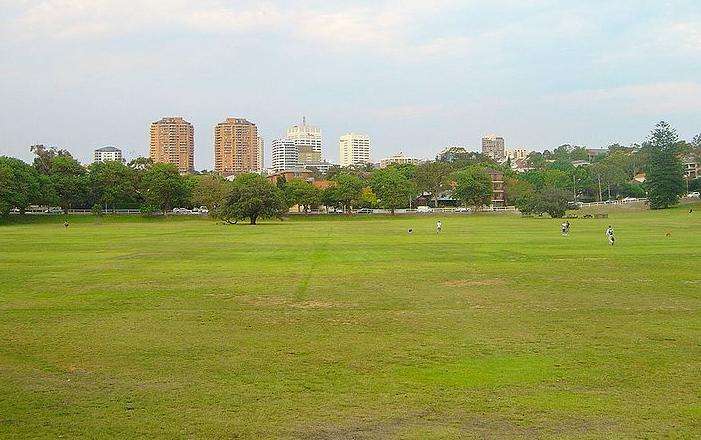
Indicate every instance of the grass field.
{"type": "Point", "coordinates": [351, 328]}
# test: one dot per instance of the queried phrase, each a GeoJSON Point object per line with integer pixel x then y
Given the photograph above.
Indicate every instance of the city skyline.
{"type": "Point", "coordinates": [538, 73]}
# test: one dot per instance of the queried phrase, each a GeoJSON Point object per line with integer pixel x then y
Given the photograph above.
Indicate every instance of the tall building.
{"type": "Point", "coordinates": [173, 141]}
{"type": "Point", "coordinates": [285, 155]}
{"type": "Point", "coordinates": [308, 140]}
{"type": "Point", "coordinates": [261, 153]}
{"type": "Point", "coordinates": [354, 149]}
{"type": "Point", "coordinates": [398, 159]}
{"type": "Point", "coordinates": [236, 147]}
{"type": "Point", "coordinates": [493, 146]}
{"type": "Point", "coordinates": [107, 154]}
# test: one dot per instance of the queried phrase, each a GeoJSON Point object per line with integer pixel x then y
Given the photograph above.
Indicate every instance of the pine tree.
{"type": "Point", "coordinates": [665, 173]}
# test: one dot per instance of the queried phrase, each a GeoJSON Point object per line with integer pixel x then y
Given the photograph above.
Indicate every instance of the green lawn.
{"type": "Point", "coordinates": [351, 328]}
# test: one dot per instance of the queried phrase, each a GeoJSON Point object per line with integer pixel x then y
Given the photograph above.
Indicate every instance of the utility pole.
{"type": "Point", "coordinates": [599, 179]}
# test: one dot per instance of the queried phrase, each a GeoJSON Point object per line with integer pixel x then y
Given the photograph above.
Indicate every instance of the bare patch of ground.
{"type": "Point", "coordinates": [472, 283]}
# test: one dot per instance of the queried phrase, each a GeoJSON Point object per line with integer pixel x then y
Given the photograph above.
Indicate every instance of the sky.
{"type": "Point", "coordinates": [414, 75]}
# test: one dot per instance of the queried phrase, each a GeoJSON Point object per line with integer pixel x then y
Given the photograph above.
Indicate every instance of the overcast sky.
{"type": "Point", "coordinates": [415, 75]}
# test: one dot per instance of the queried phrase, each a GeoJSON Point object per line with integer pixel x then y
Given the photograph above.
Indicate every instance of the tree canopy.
{"type": "Point", "coordinates": [473, 186]}
{"type": "Point", "coordinates": [253, 197]}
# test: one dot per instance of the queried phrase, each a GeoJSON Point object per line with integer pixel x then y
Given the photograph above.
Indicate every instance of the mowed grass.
{"type": "Point", "coordinates": [351, 328]}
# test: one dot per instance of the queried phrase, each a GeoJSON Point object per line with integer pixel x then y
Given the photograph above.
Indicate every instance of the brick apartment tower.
{"type": "Point", "coordinates": [173, 141]}
{"type": "Point", "coordinates": [236, 147]}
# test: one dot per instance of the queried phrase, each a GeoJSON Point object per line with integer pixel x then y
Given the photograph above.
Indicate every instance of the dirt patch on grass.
{"type": "Point", "coordinates": [429, 425]}
{"type": "Point", "coordinates": [314, 305]}
{"type": "Point", "coordinates": [472, 283]}
{"type": "Point", "coordinates": [280, 302]}
{"type": "Point", "coordinates": [264, 301]}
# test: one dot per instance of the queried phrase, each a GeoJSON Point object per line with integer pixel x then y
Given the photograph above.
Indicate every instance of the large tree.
{"type": "Point", "coordinates": [163, 187]}
{"type": "Point", "coordinates": [253, 197]}
{"type": "Point", "coordinates": [69, 181]}
{"type": "Point", "coordinates": [302, 193]}
{"type": "Point", "coordinates": [473, 186]}
{"type": "Point", "coordinates": [210, 190]}
{"type": "Point", "coordinates": [432, 177]}
{"type": "Point", "coordinates": [392, 188]}
{"type": "Point", "coordinates": [665, 173]}
{"type": "Point", "coordinates": [552, 200]}
{"type": "Point", "coordinates": [19, 185]}
{"type": "Point", "coordinates": [112, 184]}
{"type": "Point", "coordinates": [348, 190]}
{"type": "Point", "coordinates": [44, 156]}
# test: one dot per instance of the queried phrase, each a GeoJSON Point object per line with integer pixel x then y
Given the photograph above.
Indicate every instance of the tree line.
{"type": "Point", "coordinates": [554, 180]}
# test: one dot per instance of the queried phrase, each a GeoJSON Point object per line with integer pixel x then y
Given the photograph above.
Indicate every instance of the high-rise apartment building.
{"type": "Point", "coordinates": [107, 154]}
{"type": "Point", "coordinates": [354, 149]}
{"type": "Point", "coordinates": [173, 141]}
{"type": "Point", "coordinates": [285, 155]}
{"type": "Point", "coordinates": [308, 140]}
{"type": "Point", "coordinates": [493, 146]}
{"type": "Point", "coordinates": [261, 153]}
{"type": "Point", "coordinates": [236, 147]}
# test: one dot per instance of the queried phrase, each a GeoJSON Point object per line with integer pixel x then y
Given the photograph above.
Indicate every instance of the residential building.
{"type": "Point", "coordinates": [292, 174]}
{"type": "Point", "coordinates": [498, 187]}
{"type": "Point", "coordinates": [323, 166]}
{"type": "Point", "coordinates": [107, 154]}
{"type": "Point", "coordinates": [692, 168]}
{"type": "Point", "coordinates": [520, 165]}
{"type": "Point", "coordinates": [173, 141]}
{"type": "Point", "coordinates": [493, 147]}
{"type": "Point", "coordinates": [399, 159]}
{"type": "Point", "coordinates": [517, 154]}
{"type": "Point", "coordinates": [592, 153]}
{"type": "Point", "coordinates": [261, 154]}
{"type": "Point", "coordinates": [285, 155]}
{"type": "Point", "coordinates": [236, 147]}
{"type": "Point", "coordinates": [354, 149]}
{"type": "Point", "coordinates": [308, 140]}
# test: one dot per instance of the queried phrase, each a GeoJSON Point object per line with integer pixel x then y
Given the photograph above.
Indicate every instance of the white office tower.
{"type": "Point", "coordinates": [308, 140]}
{"type": "Point", "coordinates": [285, 155]}
{"type": "Point", "coordinates": [354, 149]}
{"type": "Point", "coordinates": [261, 161]}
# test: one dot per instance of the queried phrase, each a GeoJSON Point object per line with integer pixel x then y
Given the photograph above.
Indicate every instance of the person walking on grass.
{"type": "Point", "coordinates": [65, 224]}
{"type": "Point", "coordinates": [609, 235]}
{"type": "Point", "coordinates": [439, 227]}
{"type": "Point", "coordinates": [565, 228]}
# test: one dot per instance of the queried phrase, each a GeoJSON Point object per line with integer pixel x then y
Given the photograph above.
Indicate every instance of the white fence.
{"type": "Point", "coordinates": [612, 202]}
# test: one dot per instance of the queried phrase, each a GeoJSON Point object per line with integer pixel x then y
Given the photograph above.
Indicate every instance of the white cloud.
{"type": "Point", "coordinates": [383, 27]}
{"type": "Point", "coordinates": [642, 99]}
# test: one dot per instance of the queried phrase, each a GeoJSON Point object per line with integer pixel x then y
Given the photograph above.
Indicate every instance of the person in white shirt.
{"type": "Point", "coordinates": [610, 236]}
{"type": "Point", "coordinates": [439, 227]}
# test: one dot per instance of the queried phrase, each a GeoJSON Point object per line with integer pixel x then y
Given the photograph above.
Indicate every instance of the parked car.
{"type": "Point", "coordinates": [629, 199]}
{"type": "Point", "coordinates": [462, 209]}
{"type": "Point", "coordinates": [364, 211]}
{"type": "Point", "coordinates": [695, 194]}
{"type": "Point", "coordinates": [424, 209]}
